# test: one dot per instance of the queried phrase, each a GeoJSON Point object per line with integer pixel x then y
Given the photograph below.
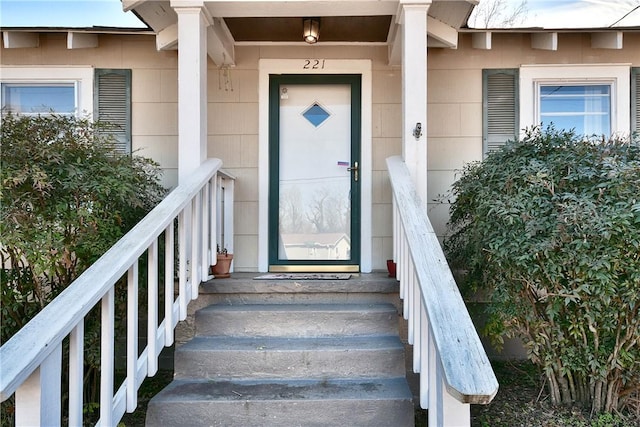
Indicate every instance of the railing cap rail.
{"type": "Point", "coordinates": [27, 349]}
{"type": "Point", "coordinates": [468, 375]}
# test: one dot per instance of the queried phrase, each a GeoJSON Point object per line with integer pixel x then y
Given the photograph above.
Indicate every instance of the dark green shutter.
{"type": "Point", "coordinates": [635, 100]}
{"type": "Point", "coordinates": [499, 107]}
{"type": "Point", "coordinates": [112, 104]}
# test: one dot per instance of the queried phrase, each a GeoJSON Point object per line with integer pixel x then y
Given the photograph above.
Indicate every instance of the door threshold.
{"type": "Point", "coordinates": [314, 268]}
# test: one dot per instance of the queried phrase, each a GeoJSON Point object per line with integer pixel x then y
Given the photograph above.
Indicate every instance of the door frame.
{"type": "Point", "coordinates": [310, 67]}
{"type": "Point", "coordinates": [354, 83]}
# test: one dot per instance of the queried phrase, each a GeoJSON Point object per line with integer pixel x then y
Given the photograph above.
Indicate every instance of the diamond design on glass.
{"type": "Point", "coordinates": [316, 114]}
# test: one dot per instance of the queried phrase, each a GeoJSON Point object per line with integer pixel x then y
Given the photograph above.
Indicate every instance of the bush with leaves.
{"type": "Point", "coordinates": [548, 231]}
{"type": "Point", "coordinates": [66, 197]}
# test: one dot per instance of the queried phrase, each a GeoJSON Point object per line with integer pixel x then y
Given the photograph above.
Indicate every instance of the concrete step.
{"type": "Point", "coordinates": [245, 288]}
{"type": "Point", "coordinates": [308, 403]}
{"type": "Point", "coordinates": [328, 357]}
{"type": "Point", "coordinates": [297, 320]}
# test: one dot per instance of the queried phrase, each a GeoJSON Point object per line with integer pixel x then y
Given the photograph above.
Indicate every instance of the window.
{"type": "Point", "coordinates": [586, 108]}
{"type": "Point", "coordinates": [103, 94]}
{"type": "Point", "coordinates": [593, 99]}
{"type": "Point", "coordinates": [63, 90]}
{"type": "Point", "coordinates": [39, 98]}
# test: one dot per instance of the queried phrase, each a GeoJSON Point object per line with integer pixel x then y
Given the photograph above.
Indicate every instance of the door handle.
{"type": "Point", "coordinates": [354, 168]}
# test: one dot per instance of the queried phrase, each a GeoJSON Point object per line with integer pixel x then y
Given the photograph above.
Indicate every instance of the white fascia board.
{"type": "Point", "coordinates": [81, 40]}
{"type": "Point", "coordinates": [19, 39]}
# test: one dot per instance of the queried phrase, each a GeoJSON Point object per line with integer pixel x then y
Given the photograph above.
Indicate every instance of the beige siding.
{"type": "Point", "coordinates": [454, 125]}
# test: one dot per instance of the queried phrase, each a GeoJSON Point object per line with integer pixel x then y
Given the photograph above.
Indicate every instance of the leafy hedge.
{"type": "Point", "coordinates": [548, 230]}
{"type": "Point", "coordinates": [66, 197]}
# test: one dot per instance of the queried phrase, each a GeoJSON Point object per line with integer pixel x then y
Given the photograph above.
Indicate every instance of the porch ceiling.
{"type": "Point", "coordinates": [280, 21]}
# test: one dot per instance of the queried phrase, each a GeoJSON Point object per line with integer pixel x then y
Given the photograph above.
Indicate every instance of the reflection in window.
{"type": "Point", "coordinates": [38, 98]}
{"type": "Point", "coordinates": [584, 108]}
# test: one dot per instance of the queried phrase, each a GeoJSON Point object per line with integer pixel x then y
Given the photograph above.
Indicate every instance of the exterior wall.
{"type": "Point", "coordinates": [454, 125]}
{"type": "Point", "coordinates": [154, 86]}
{"type": "Point", "coordinates": [232, 117]}
{"type": "Point", "coordinates": [233, 137]}
{"type": "Point", "coordinates": [455, 97]}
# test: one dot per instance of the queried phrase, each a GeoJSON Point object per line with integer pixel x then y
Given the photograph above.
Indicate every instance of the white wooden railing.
{"type": "Point", "coordinates": [31, 361]}
{"type": "Point", "coordinates": [454, 369]}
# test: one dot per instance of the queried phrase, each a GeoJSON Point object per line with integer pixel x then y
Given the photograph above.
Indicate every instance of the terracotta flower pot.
{"type": "Point", "coordinates": [221, 269]}
{"type": "Point", "coordinates": [391, 268]}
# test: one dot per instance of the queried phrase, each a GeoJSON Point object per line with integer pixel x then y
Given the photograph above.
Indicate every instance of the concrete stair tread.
{"type": "Point", "coordinates": [383, 307]}
{"type": "Point", "coordinates": [248, 284]}
{"type": "Point", "coordinates": [261, 344]}
{"type": "Point", "coordinates": [290, 390]}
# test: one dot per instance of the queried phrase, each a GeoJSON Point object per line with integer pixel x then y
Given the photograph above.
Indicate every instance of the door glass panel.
{"type": "Point", "coordinates": [314, 180]}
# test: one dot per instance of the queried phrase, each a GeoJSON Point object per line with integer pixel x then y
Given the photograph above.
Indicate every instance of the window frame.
{"type": "Point", "coordinates": [80, 77]}
{"type": "Point", "coordinates": [616, 75]}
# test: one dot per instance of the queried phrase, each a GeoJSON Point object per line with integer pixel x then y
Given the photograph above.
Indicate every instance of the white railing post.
{"type": "Point", "coordinates": [38, 398]}
{"type": "Point", "coordinates": [152, 308]}
{"type": "Point", "coordinates": [76, 374]}
{"type": "Point", "coordinates": [205, 248]}
{"type": "Point", "coordinates": [132, 337]}
{"type": "Point", "coordinates": [182, 266]}
{"type": "Point", "coordinates": [107, 341]}
{"type": "Point", "coordinates": [195, 234]}
{"type": "Point", "coordinates": [228, 216]}
{"type": "Point", "coordinates": [213, 220]}
{"type": "Point", "coordinates": [169, 283]}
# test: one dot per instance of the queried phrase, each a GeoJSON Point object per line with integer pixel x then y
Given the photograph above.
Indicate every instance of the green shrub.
{"type": "Point", "coordinates": [548, 231]}
{"type": "Point", "coordinates": [65, 198]}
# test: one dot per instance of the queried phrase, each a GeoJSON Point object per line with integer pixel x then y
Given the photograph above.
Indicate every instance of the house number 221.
{"type": "Point", "coordinates": [313, 64]}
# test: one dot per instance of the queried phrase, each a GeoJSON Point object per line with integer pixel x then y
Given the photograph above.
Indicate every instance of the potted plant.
{"type": "Point", "coordinates": [223, 263]}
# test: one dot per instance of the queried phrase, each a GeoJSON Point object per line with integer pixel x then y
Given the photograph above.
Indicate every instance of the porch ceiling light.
{"type": "Point", "coordinates": [311, 29]}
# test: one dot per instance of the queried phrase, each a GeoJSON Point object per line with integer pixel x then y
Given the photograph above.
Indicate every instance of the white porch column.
{"type": "Point", "coordinates": [193, 21]}
{"type": "Point", "coordinates": [413, 19]}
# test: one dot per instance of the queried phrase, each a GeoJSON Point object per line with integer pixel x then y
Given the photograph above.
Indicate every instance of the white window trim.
{"type": "Point", "coordinates": [617, 75]}
{"type": "Point", "coordinates": [81, 77]}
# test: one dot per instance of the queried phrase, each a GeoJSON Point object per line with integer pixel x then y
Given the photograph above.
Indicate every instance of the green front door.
{"type": "Point", "coordinates": [314, 189]}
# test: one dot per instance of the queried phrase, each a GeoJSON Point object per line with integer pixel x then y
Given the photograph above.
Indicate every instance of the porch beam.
{"type": "Point", "coordinates": [192, 89]}
{"type": "Point", "coordinates": [606, 40]}
{"type": "Point", "coordinates": [167, 39]}
{"type": "Point", "coordinates": [19, 39]}
{"type": "Point", "coordinates": [128, 5]}
{"type": "Point", "coordinates": [414, 91]}
{"type": "Point", "coordinates": [220, 43]}
{"type": "Point", "coordinates": [544, 41]}
{"type": "Point", "coordinates": [284, 8]}
{"type": "Point", "coordinates": [81, 40]}
{"type": "Point", "coordinates": [442, 32]}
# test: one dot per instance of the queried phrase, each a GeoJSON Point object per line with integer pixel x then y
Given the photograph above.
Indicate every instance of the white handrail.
{"type": "Point", "coordinates": [31, 359]}
{"type": "Point", "coordinates": [454, 368]}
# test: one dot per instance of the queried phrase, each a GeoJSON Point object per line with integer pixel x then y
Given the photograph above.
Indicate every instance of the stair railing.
{"type": "Point", "coordinates": [31, 361]}
{"type": "Point", "coordinates": [454, 368]}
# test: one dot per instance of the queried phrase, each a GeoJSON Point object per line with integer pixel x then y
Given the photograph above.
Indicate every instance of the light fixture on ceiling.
{"type": "Point", "coordinates": [311, 29]}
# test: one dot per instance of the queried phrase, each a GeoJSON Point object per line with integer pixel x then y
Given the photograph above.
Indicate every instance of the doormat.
{"type": "Point", "coordinates": [303, 276]}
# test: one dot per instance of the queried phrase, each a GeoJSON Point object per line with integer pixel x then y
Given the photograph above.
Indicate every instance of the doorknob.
{"type": "Point", "coordinates": [354, 168]}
